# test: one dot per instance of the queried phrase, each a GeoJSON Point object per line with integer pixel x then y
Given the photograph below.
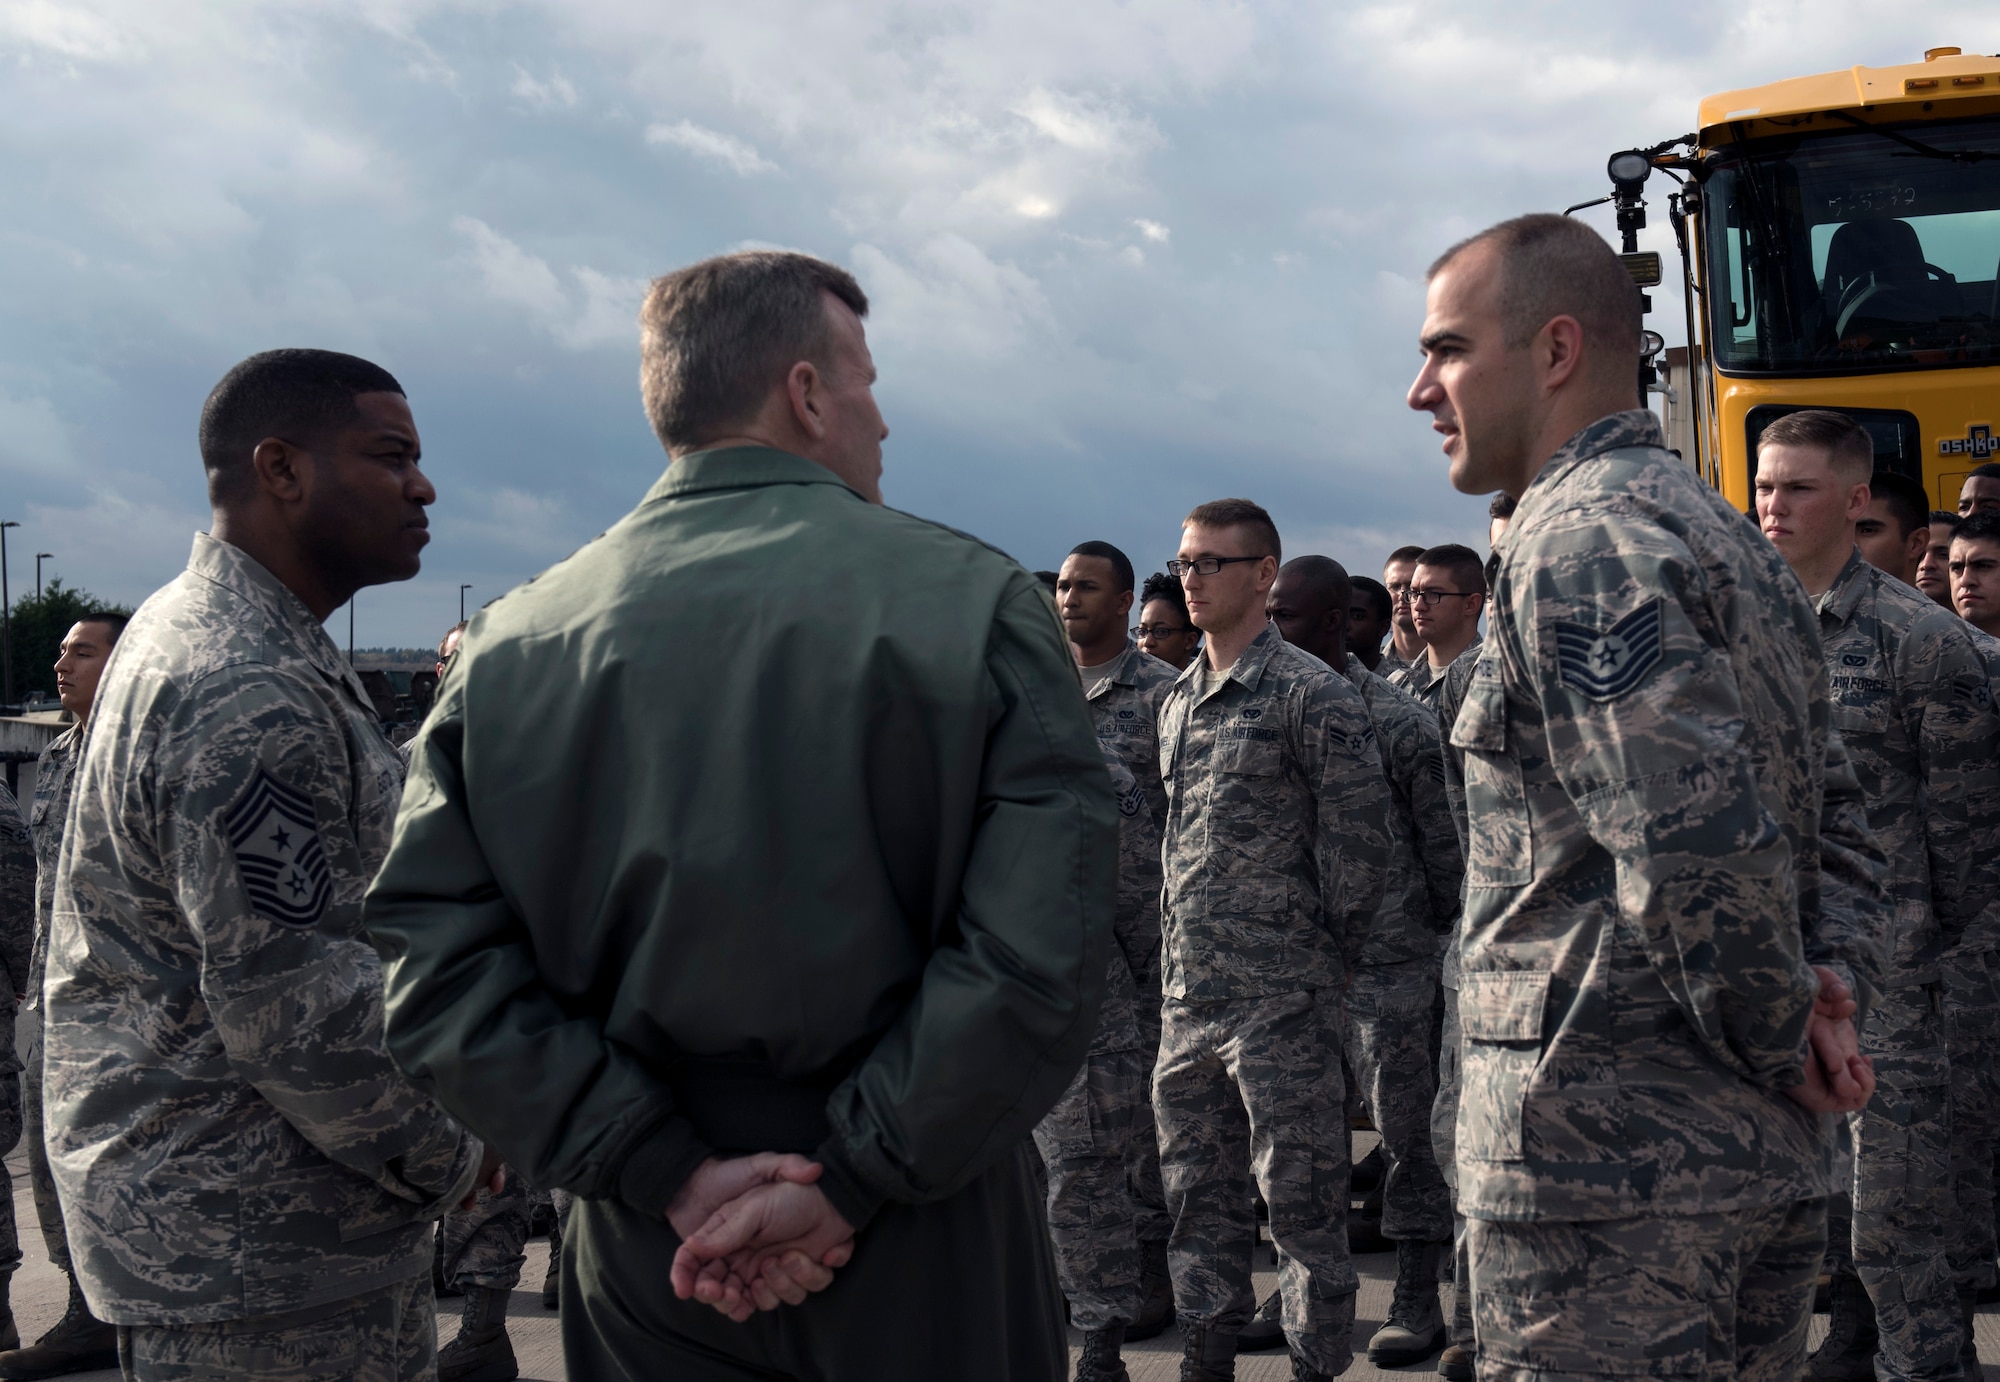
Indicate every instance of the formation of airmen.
{"type": "Point", "coordinates": [762, 889]}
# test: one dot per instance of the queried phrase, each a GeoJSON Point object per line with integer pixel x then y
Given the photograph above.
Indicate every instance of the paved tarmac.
{"type": "Point", "coordinates": [38, 1303]}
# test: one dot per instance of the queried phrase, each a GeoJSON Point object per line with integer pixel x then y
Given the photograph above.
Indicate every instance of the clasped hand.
{"type": "Point", "coordinates": [1839, 1079]}
{"type": "Point", "coordinates": [756, 1233]}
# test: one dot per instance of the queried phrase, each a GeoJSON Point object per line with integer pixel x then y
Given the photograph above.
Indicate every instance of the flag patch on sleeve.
{"type": "Point", "coordinates": [1605, 664]}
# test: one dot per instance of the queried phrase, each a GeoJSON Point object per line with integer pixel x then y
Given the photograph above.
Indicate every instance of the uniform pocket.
{"type": "Point", "coordinates": [1500, 1023]}
{"type": "Point", "coordinates": [1500, 853]}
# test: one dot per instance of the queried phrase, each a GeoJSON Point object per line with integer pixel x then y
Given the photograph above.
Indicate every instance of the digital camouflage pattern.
{"type": "Point", "coordinates": [487, 1245]}
{"type": "Point", "coordinates": [1972, 1027]}
{"type": "Point", "coordinates": [1664, 835]}
{"type": "Point", "coordinates": [1249, 1093]}
{"type": "Point", "coordinates": [1086, 1146]}
{"type": "Point", "coordinates": [385, 1335]}
{"type": "Point", "coordinates": [1638, 1297]}
{"type": "Point", "coordinates": [55, 772]}
{"type": "Point", "coordinates": [1277, 835]}
{"type": "Point", "coordinates": [1388, 1042]}
{"type": "Point", "coordinates": [1914, 708]}
{"type": "Point", "coordinates": [1446, 693]}
{"type": "Point", "coordinates": [17, 934]}
{"type": "Point", "coordinates": [227, 1134]}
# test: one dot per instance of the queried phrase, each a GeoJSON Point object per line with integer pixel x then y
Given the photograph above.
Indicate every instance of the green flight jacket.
{"type": "Point", "coordinates": [765, 779]}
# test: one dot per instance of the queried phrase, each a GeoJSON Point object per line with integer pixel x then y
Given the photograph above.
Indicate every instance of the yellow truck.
{"type": "Point", "coordinates": [1840, 248]}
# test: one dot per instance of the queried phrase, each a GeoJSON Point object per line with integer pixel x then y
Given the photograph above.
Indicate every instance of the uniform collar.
{"type": "Point", "coordinates": [245, 577]}
{"type": "Point", "coordinates": [740, 467]}
{"type": "Point", "coordinates": [1838, 601]}
{"type": "Point", "coordinates": [1634, 427]}
{"type": "Point", "coordinates": [1118, 671]}
{"type": "Point", "coordinates": [1249, 667]}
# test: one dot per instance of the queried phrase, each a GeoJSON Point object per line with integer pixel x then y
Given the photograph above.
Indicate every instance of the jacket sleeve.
{"type": "Point", "coordinates": [1352, 848]}
{"type": "Point", "coordinates": [1846, 917]}
{"type": "Point", "coordinates": [1008, 1004]}
{"type": "Point", "coordinates": [1439, 853]}
{"type": "Point", "coordinates": [1958, 750]}
{"type": "Point", "coordinates": [17, 893]}
{"type": "Point", "coordinates": [296, 1000]}
{"type": "Point", "coordinates": [1645, 723]}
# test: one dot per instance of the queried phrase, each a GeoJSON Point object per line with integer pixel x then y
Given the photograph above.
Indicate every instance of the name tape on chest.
{"type": "Point", "coordinates": [1606, 664]}
{"type": "Point", "coordinates": [275, 837]}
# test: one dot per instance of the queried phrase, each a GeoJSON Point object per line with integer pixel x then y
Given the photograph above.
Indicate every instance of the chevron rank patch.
{"type": "Point", "coordinates": [278, 853]}
{"type": "Point", "coordinates": [1605, 665]}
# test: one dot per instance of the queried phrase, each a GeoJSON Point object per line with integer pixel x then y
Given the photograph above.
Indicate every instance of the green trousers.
{"type": "Point", "coordinates": [964, 1288]}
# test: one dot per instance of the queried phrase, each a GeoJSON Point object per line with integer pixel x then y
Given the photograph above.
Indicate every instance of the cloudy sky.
{"type": "Point", "coordinates": [1124, 257]}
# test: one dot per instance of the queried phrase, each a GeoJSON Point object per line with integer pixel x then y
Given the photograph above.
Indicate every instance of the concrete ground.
{"type": "Point", "coordinates": [38, 1302]}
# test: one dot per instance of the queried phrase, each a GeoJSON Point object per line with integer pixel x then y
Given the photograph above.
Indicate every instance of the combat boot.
{"type": "Point", "coordinates": [1156, 1291]}
{"type": "Point", "coordinates": [552, 1279]}
{"type": "Point", "coordinates": [1207, 1356]}
{"type": "Point", "coordinates": [1302, 1371]}
{"type": "Point", "coordinates": [78, 1342]}
{"type": "Point", "coordinates": [1100, 1361]}
{"type": "Point", "coordinates": [1367, 1173]}
{"type": "Point", "coordinates": [1415, 1327]}
{"type": "Point", "coordinates": [1848, 1354]}
{"type": "Point", "coordinates": [482, 1352]}
{"type": "Point", "coordinates": [1266, 1328]}
{"type": "Point", "coordinates": [1455, 1363]}
{"type": "Point", "coordinates": [1968, 1344]}
{"type": "Point", "coordinates": [1364, 1226]}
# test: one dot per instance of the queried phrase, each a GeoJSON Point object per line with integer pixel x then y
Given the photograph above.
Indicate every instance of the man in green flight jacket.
{"type": "Point", "coordinates": [754, 881]}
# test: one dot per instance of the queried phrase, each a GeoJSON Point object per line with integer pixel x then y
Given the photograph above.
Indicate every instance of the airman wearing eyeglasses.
{"type": "Point", "coordinates": [1447, 593]}
{"type": "Point", "coordinates": [1163, 629]}
{"type": "Point", "coordinates": [1406, 645]}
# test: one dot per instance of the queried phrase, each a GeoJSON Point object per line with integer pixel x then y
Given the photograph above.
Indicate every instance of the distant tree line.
{"type": "Point", "coordinates": [39, 623]}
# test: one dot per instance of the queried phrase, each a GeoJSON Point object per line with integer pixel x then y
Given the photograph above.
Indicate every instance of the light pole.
{"type": "Point", "coordinates": [6, 622]}
{"type": "Point", "coordinates": [461, 600]}
{"type": "Point", "coordinates": [39, 557]}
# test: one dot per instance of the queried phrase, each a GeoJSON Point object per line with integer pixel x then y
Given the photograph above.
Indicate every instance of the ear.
{"type": "Point", "coordinates": [807, 392]}
{"type": "Point", "coordinates": [1858, 499]}
{"type": "Point", "coordinates": [282, 470]}
{"type": "Point", "coordinates": [1558, 351]}
{"type": "Point", "coordinates": [1125, 602]}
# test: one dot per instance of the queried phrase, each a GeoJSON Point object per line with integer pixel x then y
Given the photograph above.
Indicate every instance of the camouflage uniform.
{"type": "Point", "coordinates": [230, 1142]}
{"type": "Point", "coordinates": [1275, 854]}
{"type": "Point", "coordinates": [388, 1334]}
{"type": "Point", "coordinates": [1442, 691]}
{"type": "Point", "coordinates": [1665, 834]}
{"type": "Point", "coordinates": [17, 938]}
{"type": "Point", "coordinates": [1913, 705]}
{"type": "Point", "coordinates": [55, 771]}
{"type": "Point", "coordinates": [1971, 969]}
{"type": "Point", "coordinates": [1395, 987]}
{"type": "Point", "coordinates": [1125, 700]}
{"type": "Point", "coordinates": [487, 1245]}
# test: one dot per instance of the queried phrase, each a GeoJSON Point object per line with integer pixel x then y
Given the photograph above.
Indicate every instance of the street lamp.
{"type": "Point", "coordinates": [6, 622]}
{"type": "Point", "coordinates": [39, 556]}
{"type": "Point", "coordinates": [461, 600]}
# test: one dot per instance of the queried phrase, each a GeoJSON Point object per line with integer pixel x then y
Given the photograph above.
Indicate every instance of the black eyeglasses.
{"type": "Point", "coordinates": [1147, 632]}
{"type": "Point", "coordinates": [1434, 597]}
{"type": "Point", "coordinates": [1202, 566]}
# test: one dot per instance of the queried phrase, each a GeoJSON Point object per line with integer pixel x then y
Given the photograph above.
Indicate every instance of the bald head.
{"type": "Point", "coordinates": [1308, 603]}
{"type": "Point", "coordinates": [1546, 266]}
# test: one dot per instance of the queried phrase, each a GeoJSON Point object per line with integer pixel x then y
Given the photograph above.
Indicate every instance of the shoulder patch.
{"type": "Point", "coordinates": [275, 837]}
{"type": "Point", "coordinates": [1606, 665]}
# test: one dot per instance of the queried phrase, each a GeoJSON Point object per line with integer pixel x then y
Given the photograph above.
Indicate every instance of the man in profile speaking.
{"type": "Point", "coordinates": [771, 822]}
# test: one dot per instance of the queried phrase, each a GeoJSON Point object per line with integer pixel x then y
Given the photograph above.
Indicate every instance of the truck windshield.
{"type": "Point", "coordinates": [1856, 253]}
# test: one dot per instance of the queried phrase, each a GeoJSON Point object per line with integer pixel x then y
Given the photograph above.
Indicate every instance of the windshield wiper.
{"type": "Point", "coordinates": [1920, 150]}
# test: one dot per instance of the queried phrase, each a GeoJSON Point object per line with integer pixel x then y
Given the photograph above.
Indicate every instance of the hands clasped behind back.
{"type": "Point", "coordinates": [1838, 1078]}
{"type": "Point", "coordinates": [756, 1233]}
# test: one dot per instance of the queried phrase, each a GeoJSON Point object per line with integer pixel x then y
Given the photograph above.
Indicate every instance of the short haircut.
{"type": "Point", "coordinates": [1503, 506]}
{"type": "Point", "coordinates": [1903, 497]}
{"type": "Point", "coordinates": [1121, 565]}
{"type": "Point", "coordinates": [1325, 577]}
{"type": "Point", "coordinates": [1161, 586]}
{"type": "Point", "coordinates": [298, 396]}
{"type": "Point", "coordinates": [1943, 520]}
{"type": "Point", "coordinates": [1983, 526]}
{"type": "Point", "coordinates": [113, 621]}
{"type": "Point", "coordinates": [1407, 552]}
{"type": "Point", "coordinates": [1375, 593]}
{"type": "Point", "coordinates": [1850, 451]}
{"type": "Point", "coordinates": [1552, 266]}
{"type": "Point", "coordinates": [716, 337]}
{"type": "Point", "coordinates": [1468, 570]}
{"type": "Point", "coordinates": [1240, 513]}
{"type": "Point", "coordinates": [1048, 579]}
{"type": "Point", "coordinates": [459, 627]}
{"type": "Point", "coordinates": [1988, 471]}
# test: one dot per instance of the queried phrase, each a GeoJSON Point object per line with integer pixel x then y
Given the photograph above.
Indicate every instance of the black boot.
{"type": "Point", "coordinates": [1848, 1355]}
{"type": "Point", "coordinates": [552, 1279]}
{"type": "Point", "coordinates": [1100, 1361]}
{"type": "Point", "coordinates": [1415, 1327]}
{"type": "Point", "coordinates": [1266, 1328]}
{"type": "Point", "coordinates": [1302, 1371]}
{"type": "Point", "coordinates": [482, 1352]}
{"type": "Point", "coordinates": [1156, 1290]}
{"type": "Point", "coordinates": [1364, 1226]}
{"type": "Point", "coordinates": [1455, 1363]}
{"type": "Point", "coordinates": [79, 1342]}
{"type": "Point", "coordinates": [1367, 1173]}
{"type": "Point", "coordinates": [1207, 1356]}
{"type": "Point", "coordinates": [1968, 1345]}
